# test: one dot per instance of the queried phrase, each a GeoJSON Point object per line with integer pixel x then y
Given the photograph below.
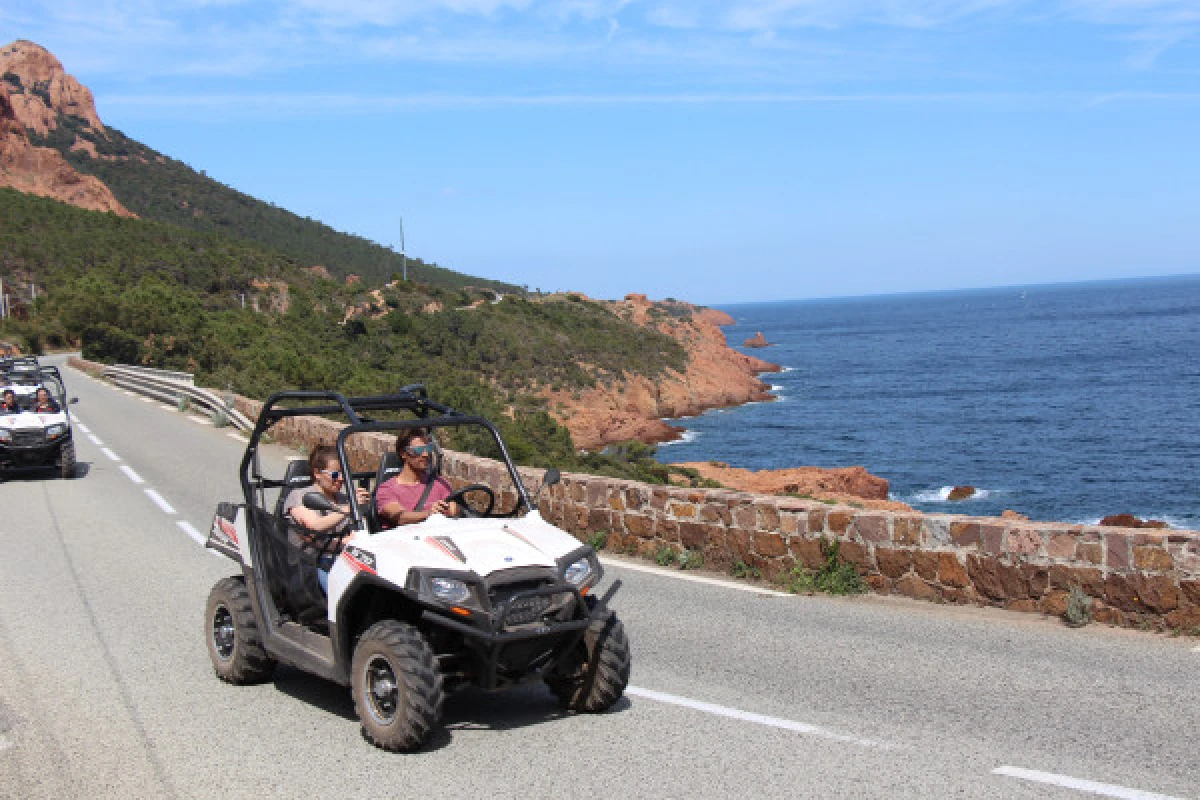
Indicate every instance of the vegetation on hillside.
{"type": "Point", "coordinates": [136, 291]}
{"type": "Point", "coordinates": [157, 187]}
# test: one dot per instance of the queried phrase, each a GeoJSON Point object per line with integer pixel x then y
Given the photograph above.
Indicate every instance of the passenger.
{"type": "Point", "coordinates": [44, 404]}
{"type": "Point", "coordinates": [414, 495]}
{"type": "Point", "coordinates": [319, 527]}
{"type": "Point", "coordinates": [9, 406]}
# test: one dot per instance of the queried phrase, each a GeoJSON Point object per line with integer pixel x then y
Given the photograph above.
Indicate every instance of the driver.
{"type": "Point", "coordinates": [317, 528]}
{"type": "Point", "coordinates": [414, 494]}
{"type": "Point", "coordinates": [9, 406]}
{"type": "Point", "coordinates": [44, 403]}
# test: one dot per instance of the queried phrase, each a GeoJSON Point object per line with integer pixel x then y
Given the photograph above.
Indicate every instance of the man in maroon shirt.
{"type": "Point", "coordinates": [414, 495]}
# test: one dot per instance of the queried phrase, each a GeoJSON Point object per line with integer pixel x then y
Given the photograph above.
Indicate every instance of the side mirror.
{"type": "Point", "coordinates": [551, 477]}
{"type": "Point", "coordinates": [318, 502]}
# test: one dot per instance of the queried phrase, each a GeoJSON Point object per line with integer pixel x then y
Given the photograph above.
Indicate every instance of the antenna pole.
{"type": "Point", "coordinates": [403, 257]}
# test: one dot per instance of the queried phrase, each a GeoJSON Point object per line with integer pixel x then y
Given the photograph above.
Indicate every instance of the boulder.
{"type": "Point", "coordinates": [757, 340]}
{"type": "Point", "coordinates": [1130, 521]}
{"type": "Point", "coordinates": [961, 493]}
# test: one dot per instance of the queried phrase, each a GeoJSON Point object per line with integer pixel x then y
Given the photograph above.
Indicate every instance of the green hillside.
{"type": "Point", "coordinates": [157, 187]}
{"type": "Point", "coordinates": [240, 315]}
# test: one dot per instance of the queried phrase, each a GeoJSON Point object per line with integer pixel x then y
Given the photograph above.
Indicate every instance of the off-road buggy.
{"type": "Point", "coordinates": [29, 438]}
{"type": "Point", "coordinates": [491, 599]}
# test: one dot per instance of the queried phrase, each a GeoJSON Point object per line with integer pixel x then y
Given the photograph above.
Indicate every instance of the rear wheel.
{"type": "Point", "coordinates": [66, 460]}
{"type": "Point", "coordinates": [231, 630]}
{"type": "Point", "coordinates": [396, 686]}
{"type": "Point", "coordinates": [595, 675]}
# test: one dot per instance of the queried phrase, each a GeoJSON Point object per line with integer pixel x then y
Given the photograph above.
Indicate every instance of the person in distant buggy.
{"type": "Point", "coordinates": [44, 404]}
{"type": "Point", "coordinates": [9, 405]}
{"type": "Point", "coordinates": [415, 493]}
{"type": "Point", "coordinates": [323, 532]}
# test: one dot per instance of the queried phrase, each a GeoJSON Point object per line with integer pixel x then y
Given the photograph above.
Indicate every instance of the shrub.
{"type": "Point", "coordinates": [1079, 608]}
{"type": "Point", "coordinates": [691, 559]}
{"type": "Point", "coordinates": [598, 540]}
{"type": "Point", "coordinates": [665, 556]}
{"type": "Point", "coordinates": [834, 577]}
{"type": "Point", "coordinates": [740, 569]}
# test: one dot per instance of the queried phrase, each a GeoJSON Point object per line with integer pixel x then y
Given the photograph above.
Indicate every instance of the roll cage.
{"type": "Point", "coordinates": [413, 398]}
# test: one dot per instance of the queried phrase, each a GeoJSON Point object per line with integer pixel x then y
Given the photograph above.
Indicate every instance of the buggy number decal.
{"type": "Point", "coordinates": [359, 559]}
{"type": "Point", "coordinates": [223, 529]}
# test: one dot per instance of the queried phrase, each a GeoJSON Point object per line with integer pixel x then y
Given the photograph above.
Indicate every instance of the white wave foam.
{"type": "Point", "coordinates": [788, 369]}
{"type": "Point", "coordinates": [942, 495]}
{"type": "Point", "coordinates": [688, 436]}
{"type": "Point", "coordinates": [775, 387]}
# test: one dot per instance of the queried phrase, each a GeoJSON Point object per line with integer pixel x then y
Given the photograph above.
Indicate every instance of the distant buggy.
{"type": "Point", "coordinates": [29, 438]}
{"type": "Point", "coordinates": [489, 600]}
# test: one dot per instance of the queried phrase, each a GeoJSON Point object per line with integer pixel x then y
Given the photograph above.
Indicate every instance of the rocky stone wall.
{"type": "Point", "coordinates": [1135, 576]}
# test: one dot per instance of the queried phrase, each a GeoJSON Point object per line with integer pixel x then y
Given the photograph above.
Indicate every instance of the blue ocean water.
{"type": "Point", "coordinates": [1065, 402]}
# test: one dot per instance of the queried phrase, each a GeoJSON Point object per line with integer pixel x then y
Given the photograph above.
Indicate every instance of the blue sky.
{"type": "Point", "coordinates": [716, 152]}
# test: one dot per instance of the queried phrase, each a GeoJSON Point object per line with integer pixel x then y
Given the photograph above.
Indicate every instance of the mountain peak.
{"type": "Point", "coordinates": [40, 89]}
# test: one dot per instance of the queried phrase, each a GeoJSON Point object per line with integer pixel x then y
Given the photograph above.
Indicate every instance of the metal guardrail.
{"type": "Point", "coordinates": [169, 387]}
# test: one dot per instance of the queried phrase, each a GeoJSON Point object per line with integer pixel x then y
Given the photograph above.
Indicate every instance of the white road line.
{"type": "Point", "coordinates": [111, 455]}
{"type": "Point", "coordinates": [131, 394]}
{"type": "Point", "coordinates": [683, 576]}
{"type": "Point", "coordinates": [159, 501]}
{"type": "Point", "coordinates": [129, 473]}
{"type": "Point", "coordinates": [1196, 649]}
{"type": "Point", "coordinates": [166, 407]}
{"type": "Point", "coordinates": [5, 743]}
{"type": "Point", "coordinates": [1080, 785]}
{"type": "Point", "coordinates": [237, 436]}
{"type": "Point", "coordinates": [200, 420]}
{"type": "Point", "coordinates": [757, 719]}
{"type": "Point", "coordinates": [81, 426]}
{"type": "Point", "coordinates": [95, 440]}
{"type": "Point", "coordinates": [187, 528]}
{"type": "Point", "coordinates": [147, 400]}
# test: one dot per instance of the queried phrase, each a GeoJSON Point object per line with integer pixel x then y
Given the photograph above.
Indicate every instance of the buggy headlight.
{"type": "Point", "coordinates": [578, 573]}
{"type": "Point", "coordinates": [449, 590]}
{"type": "Point", "coordinates": [57, 429]}
{"type": "Point", "coordinates": [5, 435]}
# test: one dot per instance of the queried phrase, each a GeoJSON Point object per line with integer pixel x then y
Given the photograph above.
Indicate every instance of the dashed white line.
{"type": "Point", "coordinates": [147, 400]}
{"type": "Point", "coordinates": [111, 455]}
{"type": "Point", "coordinates": [187, 528]}
{"type": "Point", "coordinates": [1196, 649]}
{"type": "Point", "coordinates": [159, 501]}
{"type": "Point", "coordinates": [200, 420]}
{"type": "Point", "coordinates": [166, 407]}
{"type": "Point", "coordinates": [129, 473]}
{"type": "Point", "coordinates": [131, 394]}
{"type": "Point", "coordinates": [95, 440]}
{"type": "Point", "coordinates": [757, 719]}
{"type": "Point", "coordinates": [82, 427]}
{"type": "Point", "coordinates": [1081, 785]}
{"type": "Point", "coordinates": [237, 436]}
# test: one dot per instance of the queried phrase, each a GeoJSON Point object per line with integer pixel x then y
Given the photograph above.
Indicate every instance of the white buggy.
{"type": "Point", "coordinates": [28, 437]}
{"type": "Point", "coordinates": [490, 599]}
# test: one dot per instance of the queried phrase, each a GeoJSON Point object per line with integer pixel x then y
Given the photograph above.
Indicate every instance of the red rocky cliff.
{"type": "Point", "coordinates": [30, 76]}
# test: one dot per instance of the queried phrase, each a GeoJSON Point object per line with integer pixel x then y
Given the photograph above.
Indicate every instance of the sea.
{"type": "Point", "coordinates": [1064, 402]}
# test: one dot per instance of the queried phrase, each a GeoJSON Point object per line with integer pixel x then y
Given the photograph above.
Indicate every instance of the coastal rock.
{"type": "Point", "coordinates": [1008, 513]}
{"type": "Point", "coordinates": [757, 340]}
{"type": "Point", "coordinates": [961, 493]}
{"type": "Point", "coordinates": [1130, 521]}
{"type": "Point", "coordinates": [842, 484]}
{"type": "Point", "coordinates": [635, 407]}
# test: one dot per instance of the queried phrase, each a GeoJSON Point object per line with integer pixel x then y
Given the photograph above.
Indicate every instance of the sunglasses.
{"type": "Point", "coordinates": [419, 450]}
{"type": "Point", "coordinates": [334, 475]}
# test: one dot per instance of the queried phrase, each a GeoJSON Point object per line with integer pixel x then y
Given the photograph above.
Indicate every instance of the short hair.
{"type": "Point", "coordinates": [404, 437]}
{"type": "Point", "coordinates": [321, 454]}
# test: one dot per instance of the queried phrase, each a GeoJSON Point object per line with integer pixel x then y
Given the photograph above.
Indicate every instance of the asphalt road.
{"type": "Point", "coordinates": [106, 688]}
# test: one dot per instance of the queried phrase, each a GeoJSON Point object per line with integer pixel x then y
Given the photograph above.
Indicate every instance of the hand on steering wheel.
{"type": "Point", "coordinates": [467, 510]}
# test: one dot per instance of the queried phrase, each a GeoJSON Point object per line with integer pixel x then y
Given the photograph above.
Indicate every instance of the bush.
{"type": "Point", "coordinates": [834, 577]}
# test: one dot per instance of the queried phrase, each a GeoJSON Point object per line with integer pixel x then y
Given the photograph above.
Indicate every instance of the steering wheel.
{"type": "Point", "coordinates": [467, 510]}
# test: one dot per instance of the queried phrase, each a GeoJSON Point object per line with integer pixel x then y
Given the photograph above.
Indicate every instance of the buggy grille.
{"type": "Point", "coordinates": [28, 438]}
{"type": "Point", "coordinates": [537, 608]}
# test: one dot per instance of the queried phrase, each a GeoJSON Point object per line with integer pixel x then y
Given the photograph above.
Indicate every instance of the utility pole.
{"type": "Point", "coordinates": [403, 257]}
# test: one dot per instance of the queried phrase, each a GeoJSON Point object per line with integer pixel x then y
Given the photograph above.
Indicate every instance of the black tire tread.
{"type": "Point", "coordinates": [598, 681]}
{"type": "Point", "coordinates": [422, 696]}
{"type": "Point", "coordinates": [67, 466]}
{"type": "Point", "coordinates": [250, 663]}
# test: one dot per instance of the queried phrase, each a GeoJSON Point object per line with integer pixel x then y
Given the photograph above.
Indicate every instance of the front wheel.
{"type": "Point", "coordinates": [594, 676]}
{"type": "Point", "coordinates": [396, 686]}
{"type": "Point", "coordinates": [66, 461]}
{"type": "Point", "coordinates": [234, 642]}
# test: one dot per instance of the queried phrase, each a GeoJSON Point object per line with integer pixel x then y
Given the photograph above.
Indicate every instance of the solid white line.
{"type": "Point", "coordinates": [95, 439]}
{"type": "Point", "coordinates": [683, 576]}
{"type": "Point", "coordinates": [1080, 785]}
{"type": "Point", "coordinates": [111, 455]}
{"type": "Point", "coordinates": [187, 528]}
{"type": "Point", "coordinates": [129, 473]}
{"type": "Point", "coordinates": [159, 501]}
{"type": "Point", "coordinates": [749, 716]}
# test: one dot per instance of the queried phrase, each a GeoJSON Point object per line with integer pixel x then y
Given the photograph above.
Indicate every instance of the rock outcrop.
{"type": "Point", "coordinates": [635, 407]}
{"type": "Point", "coordinates": [35, 93]}
{"type": "Point", "coordinates": [842, 484]}
{"type": "Point", "coordinates": [1130, 521]}
{"type": "Point", "coordinates": [961, 493]}
{"type": "Point", "coordinates": [757, 340]}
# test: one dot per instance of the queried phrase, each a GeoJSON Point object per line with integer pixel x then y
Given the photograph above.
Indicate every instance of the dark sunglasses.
{"type": "Point", "coordinates": [334, 475]}
{"type": "Point", "coordinates": [419, 450]}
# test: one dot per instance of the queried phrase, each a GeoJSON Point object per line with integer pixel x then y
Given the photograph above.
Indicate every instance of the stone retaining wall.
{"type": "Point", "coordinates": [1135, 576]}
